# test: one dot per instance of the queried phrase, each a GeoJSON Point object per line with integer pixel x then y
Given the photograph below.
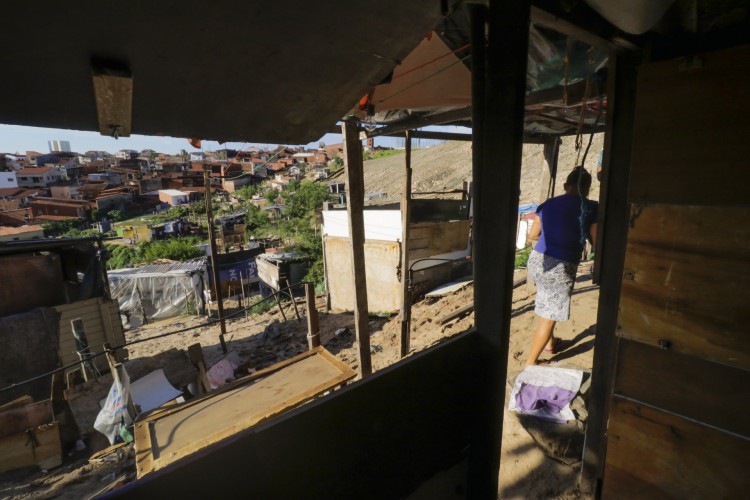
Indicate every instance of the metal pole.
{"type": "Point", "coordinates": [405, 274]}
{"type": "Point", "coordinates": [214, 267]}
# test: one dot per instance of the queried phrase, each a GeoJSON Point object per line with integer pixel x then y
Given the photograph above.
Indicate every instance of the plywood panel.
{"type": "Point", "coordinates": [381, 268]}
{"type": "Point", "coordinates": [708, 392]}
{"type": "Point", "coordinates": [685, 281]}
{"type": "Point", "coordinates": [168, 435]}
{"type": "Point", "coordinates": [21, 418]}
{"type": "Point", "coordinates": [16, 450]}
{"type": "Point", "coordinates": [439, 237]}
{"type": "Point", "coordinates": [690, 140]}
{"type": "Point", "coordinates": [90, 312]}
{"type": "Point", "coordinates": [674, 456]}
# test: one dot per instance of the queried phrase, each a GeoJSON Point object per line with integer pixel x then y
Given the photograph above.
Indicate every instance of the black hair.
{"type": "Point", "coordinates": [585, 181]}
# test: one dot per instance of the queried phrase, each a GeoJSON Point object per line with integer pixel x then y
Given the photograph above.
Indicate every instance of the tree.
{"type": "Point", "coordinates": [271, 195]}
{"type": "Point", "coordinates": [116, 215]}
{"type": "Point", "coordinates": [56, 228]}
{"type": "Point", "coordinates": [309, 196]}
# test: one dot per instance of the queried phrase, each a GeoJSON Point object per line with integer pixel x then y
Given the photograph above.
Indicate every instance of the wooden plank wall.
{"type": "Point", "coordinates": [382, 261]}
{"type": "Point", "coordinates": [435, 238]}
{"type": "Point", "coordinates": [678, 425]}
{"type": "Point", "coordinates": [101, 320]}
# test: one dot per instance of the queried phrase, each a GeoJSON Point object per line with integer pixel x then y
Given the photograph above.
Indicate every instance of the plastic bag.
{"type": "Point", "coordinates": [114, 418]}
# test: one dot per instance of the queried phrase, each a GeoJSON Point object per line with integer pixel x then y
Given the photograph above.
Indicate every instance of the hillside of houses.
{"type": "Point", "coordinates": [51, 193]}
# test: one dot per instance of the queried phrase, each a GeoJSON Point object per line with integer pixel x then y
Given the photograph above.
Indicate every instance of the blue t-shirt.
{"type": "Point", "coordinates": [561, 226]}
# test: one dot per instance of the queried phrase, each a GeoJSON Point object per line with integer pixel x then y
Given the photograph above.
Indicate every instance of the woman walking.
{"type": "Point", "coordinates": [561, 226]}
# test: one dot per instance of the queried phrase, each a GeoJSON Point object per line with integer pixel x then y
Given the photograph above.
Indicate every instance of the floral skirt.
{"type": "Point", "coordinates": [554, 280]}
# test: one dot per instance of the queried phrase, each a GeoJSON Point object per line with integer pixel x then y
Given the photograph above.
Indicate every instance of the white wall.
{"type": "Point", "coordinates": [8, 180]}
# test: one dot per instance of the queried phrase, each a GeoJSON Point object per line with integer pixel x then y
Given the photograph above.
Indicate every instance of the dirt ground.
{"type": "Point", "coordinates": [526, 471]}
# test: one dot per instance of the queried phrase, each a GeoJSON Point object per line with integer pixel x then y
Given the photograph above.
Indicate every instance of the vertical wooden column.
{"type": "Point", "coordinates": [214, 267]}
{"type": "Point", "coordinates": [355, 200]}
{"type": "Point", "coordinates": [405, 272]}
{"type": "Point", "coordinates": [313, 328]}
{"type": "Point", "coordinates": [498, 95]}
{"type": "Point", "coordinates": [610, 257]}
{"type": "Point", "coordinates": [549, 174]}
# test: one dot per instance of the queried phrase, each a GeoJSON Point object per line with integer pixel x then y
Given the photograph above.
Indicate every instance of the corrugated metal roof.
{"type": "Point", "coordinates": [188, 266]}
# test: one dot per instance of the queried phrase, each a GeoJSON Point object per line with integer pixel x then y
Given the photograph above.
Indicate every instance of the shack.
{"type": "Point", "coordinates": [438, 252]}
{"type": "Point", "coordinates": [45, 285]}
{"type": "Point", "coordinates": [159, 291]}
{"type": "Point", "coordinates": [277, 271]}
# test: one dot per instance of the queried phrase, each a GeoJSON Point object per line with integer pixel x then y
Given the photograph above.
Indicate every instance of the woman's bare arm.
{"type": "Point", "coordinates": [536, 229]}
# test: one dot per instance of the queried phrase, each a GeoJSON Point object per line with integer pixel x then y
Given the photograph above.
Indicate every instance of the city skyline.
{"type": "Point", "coordinates": [21, 138]}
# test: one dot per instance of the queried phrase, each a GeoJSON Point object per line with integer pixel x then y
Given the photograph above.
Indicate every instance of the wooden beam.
{"type": "Point", "coordinates": [355, 200]}
{"type": "Point", "coordinates": [405, 272]}
{"type": "Point", "coordinates": [612, 230]}
{"type": "Point", "coordinates": [539, 99]}
{"type": "Point", "coordinates": [421, 121]}
{"type": "Point", "coordinates": [428, 134]}
{"type": "Point", "coordinates": [582, 23]}
{"type": "Point", "coordinates": [214, 262]}
{"type": "Point", "coordinates": [313, 328]}
{"type": "Point", "coordinates": [498, 94]}
{"type": "Point", "coordinates": [113, 93]}
{"type": "Point", "coordinates": [549, 174]}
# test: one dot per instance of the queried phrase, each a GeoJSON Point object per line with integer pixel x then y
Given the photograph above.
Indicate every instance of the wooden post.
{"type": "Point", "coordinates": [325, 272]}
{"type": "Point", "coordinates": [278, 302]}
{"type": "Point", "coordinates": [83, 349]}
{"type": "Point", "coordinates": [195, 353]}
{"type": "Point", "coordinates": [610, 258]}
{"type": "Point", "coordinates": [244, 295]}
{"type": "Point", "coordinates": [498, 95]}
{"type": "Point", "coordinates": [291, 297]}
{"type": "Point", "coordinates": [355, 196]}
{"type": "Point", "coordinates": [214, 266]}
{"type": "Point", "coordinates": [313, 328]}
{"type": "Point", "coordinates": [405, 272]}
{"type": "Point", "coordinates": [549, 174]}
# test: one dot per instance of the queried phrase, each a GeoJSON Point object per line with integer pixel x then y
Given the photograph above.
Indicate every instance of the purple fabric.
{"type": "Point", "coordinates": [534, 397]}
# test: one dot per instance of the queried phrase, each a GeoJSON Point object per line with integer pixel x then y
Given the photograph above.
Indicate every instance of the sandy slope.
{"type": "Point", "coordinates": [446, 166]}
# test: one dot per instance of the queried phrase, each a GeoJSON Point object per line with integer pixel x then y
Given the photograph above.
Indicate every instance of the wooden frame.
{"type": "Point", "coordinates": [610, 259]}
{"type": "Point", "coordinates": [144, 427]}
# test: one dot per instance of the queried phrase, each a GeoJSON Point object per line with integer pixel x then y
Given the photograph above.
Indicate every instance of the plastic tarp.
{"type": "Point", "coordinates": [155, 296]}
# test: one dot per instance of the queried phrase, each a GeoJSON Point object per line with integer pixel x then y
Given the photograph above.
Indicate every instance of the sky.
{"type": "Point", "coordinates": [17, 138]}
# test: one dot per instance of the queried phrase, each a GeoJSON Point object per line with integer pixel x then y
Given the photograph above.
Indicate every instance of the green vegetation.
{"type": "Point", "coordinates": [522, 257]}
{"type": "Point", "coordinates": [198, 207]}
{"type": "Point", "coordinates": [308, 196]}
{"type": "Point", "coordinates": [61, 228]}
{"type": "Point", "coordinates": [384, 153]}
{"type": "Point", "coordinates": [144, 253]}
{"type": "Point", "coordinates": [261, 306]}
{"type": "Point", "coordinates": [338, 164]}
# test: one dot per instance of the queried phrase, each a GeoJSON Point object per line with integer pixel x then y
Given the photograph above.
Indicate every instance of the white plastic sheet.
{"type": "Point", "coordinates": [114, 414]}
{"type": "Point", "coordinates": [154, 296]}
